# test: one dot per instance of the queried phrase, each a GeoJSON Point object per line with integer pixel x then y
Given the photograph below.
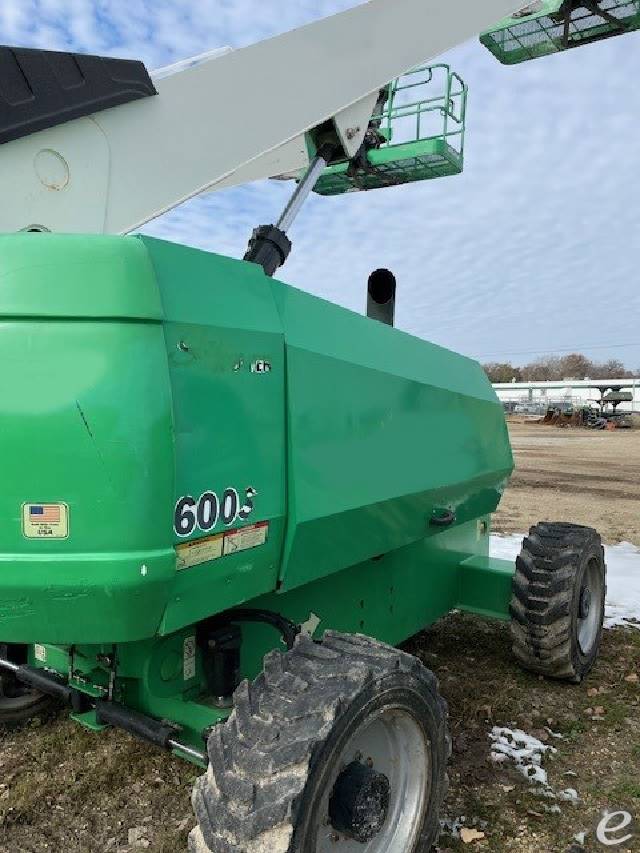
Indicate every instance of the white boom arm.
{"type": "Point", "coordinates": [237, 116]}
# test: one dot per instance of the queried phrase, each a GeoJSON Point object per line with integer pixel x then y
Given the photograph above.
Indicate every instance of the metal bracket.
{"type": "Point", "coordinates": [353, 122]}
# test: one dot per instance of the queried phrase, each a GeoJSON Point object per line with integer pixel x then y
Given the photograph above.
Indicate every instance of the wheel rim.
{"type": "Point", "coordinates": [15, 697]}
{"type": "Point", "coordinates": [590, 606]}
{"type": "Point", "coordinates": [393, 744]}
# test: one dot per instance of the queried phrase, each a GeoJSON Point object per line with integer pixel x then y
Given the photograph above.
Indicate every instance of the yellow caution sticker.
{"type": "Point", "coordinates": [45, 521]}
{"type": "Point", "coordinates": [199, 551]}
{"type": "Point", "coordinates": [245, 538]}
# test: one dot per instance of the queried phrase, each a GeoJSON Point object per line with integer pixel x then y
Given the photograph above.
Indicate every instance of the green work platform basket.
{"type": "Point", "coordinates": [551, 26]}
{"type": "Point", "coordinates": [419, 135]}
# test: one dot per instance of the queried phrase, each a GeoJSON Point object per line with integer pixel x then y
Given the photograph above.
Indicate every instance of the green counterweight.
{"type": "Point", "coordinates": [182, 435]}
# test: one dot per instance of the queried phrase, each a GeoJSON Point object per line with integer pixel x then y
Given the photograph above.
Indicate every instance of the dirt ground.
{"type": "Point", "coordinates": [590, 477]}
{"type": "Point", "coordinates": [598, 754]}
{"type": "Point", "coordinates": [64, 789]}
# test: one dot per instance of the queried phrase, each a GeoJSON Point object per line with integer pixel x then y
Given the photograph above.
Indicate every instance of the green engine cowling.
{"type": "Point", "coordinates": [154, 396]}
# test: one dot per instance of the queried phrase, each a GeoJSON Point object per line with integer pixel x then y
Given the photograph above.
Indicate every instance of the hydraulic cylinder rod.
{"type": "Point", "coordinates": [304, 188]}
{"type": "Point", "coordinates": [107, 712]}
{"type": "Point", "coordinates": [269, 245]}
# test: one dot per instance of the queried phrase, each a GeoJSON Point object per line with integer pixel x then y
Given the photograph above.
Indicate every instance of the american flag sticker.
{"type": "Point", "coordinates": [44, 513]}
{"type": "Point", "coordinates": [45, 520]}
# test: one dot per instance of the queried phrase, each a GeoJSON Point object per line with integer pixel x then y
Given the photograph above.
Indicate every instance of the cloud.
{"type": "Point", "coordinates": [533, 248]}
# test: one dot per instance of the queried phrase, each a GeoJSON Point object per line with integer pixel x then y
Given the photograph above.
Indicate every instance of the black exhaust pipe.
{"type": "Point", "coordinates": [381, 296]}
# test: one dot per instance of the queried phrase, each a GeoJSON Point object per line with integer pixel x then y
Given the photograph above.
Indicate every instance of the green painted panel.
{"type": "Point", "coordinates": [384, 429]}
{"type": "Point", "coordinates": [53, 275]}
{"type": "Point", "coordinates": [85, 421]}
{"type": "Point", "coordinates": [204, 288]}
{"type": "Point", "coordinates": [220, 323]}
{"type": "Point", "coordinates": [390, 598]}
{"type": "Point", "coordinates": [486, 586]}
{"type": "Point", "coordinates": [212, 587]}
{"type": "Point", "coordinates": [187, 372]}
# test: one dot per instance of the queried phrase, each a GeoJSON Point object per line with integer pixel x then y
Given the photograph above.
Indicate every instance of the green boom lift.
{"type": "Point", "coordinates": [225, 501]}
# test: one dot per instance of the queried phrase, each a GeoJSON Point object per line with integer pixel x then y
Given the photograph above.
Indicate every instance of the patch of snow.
{"type": "Point", "coordinates": [569, 795]}
{"type": "Point", "coordinates": [527, 754]}
{"type": "Point", "coordinates": [505, 547]}
{"type": "Point", "coordinates": [451, 826]}
{"type": "Point", "coordinates": [623, 577]}
{"type": "Point", "coordinates": [623, 584]}
{"type": "Point", "coordinates": [524, 750]}
{"type": "Point", "coordinates": [546, 793]}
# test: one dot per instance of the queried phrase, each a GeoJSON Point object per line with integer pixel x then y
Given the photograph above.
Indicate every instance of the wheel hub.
{"type": "Point", "coordinates": [585, 602]}
{"type": "Point", "coordinates": [590, 606]}
{"type": "Point", "coordinates": [359, 802]}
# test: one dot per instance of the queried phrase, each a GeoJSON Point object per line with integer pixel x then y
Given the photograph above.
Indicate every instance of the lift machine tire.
{"type": "Point", "coordinates": [342, 741]}
{"type": "Point", "coordinates": [558, 600]}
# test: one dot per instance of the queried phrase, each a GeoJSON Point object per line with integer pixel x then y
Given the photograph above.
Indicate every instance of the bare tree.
{"type": "Point", "coordinates": [575, 365]}
{"type": "Point", "coordinates": [611, 369]}
{"type": "Point", "coordinates": [542, 369]}
{"type": "Point", "coordinates": [502, 372]}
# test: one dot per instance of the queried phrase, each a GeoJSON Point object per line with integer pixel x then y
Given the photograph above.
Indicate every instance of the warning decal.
{"type": "Point", "coordinates": [200, 551]}
{"type": "Point", "coordinates": [247, 537]}
{"type": "Point", "coordinates": [45, 521]}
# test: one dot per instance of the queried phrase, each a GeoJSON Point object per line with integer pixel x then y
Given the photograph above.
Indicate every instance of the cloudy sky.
{"type": "Point", "coordinates": [534, 249]}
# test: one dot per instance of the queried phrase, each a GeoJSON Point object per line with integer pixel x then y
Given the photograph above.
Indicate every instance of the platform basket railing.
{"type": "Point", "coordinates": [550, 26]}
{"type": "Point", "coordinates": [420, 135]}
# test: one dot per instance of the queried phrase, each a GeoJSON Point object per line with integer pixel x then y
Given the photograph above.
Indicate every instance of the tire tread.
{"type": "Point", "coordinates": [542, 597]}
{"type": "Point", "coordinates": [261, 757]}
